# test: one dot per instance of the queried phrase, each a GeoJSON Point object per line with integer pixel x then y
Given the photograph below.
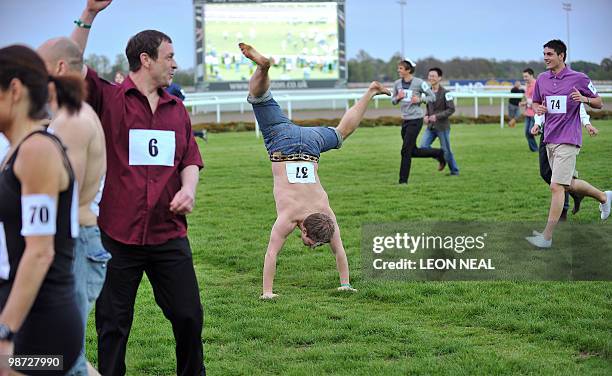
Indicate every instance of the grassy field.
{"type": "Point", "coordinates": [386, 328]}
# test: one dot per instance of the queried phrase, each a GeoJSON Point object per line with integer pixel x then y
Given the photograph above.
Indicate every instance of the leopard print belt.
{"type": "Point", "coordinates": [280, 157]}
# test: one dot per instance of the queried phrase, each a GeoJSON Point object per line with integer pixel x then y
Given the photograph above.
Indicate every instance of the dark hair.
{"type": "Point", "coordinates": [148, 42]}
{"type": "Point", "coordinates": [529, 71]}
{"type": "Point", "coordinates": [24, 64]}
{"type": "Point", "coordinates": [437, 70]}
{"type": "Point", "coordinates": [319, 227]}
{"type": "Point", "coordinates": [558, 46]}
{"type": "Point", "coordinates": [409, 67]}
{"type": "Point", "coordinates": [70, 90]}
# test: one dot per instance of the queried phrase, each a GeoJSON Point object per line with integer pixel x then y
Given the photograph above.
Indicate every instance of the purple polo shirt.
{"type": "Point", "coordinates": [563, 113]}
{"type": "Point", "coordinates": [143, 170]}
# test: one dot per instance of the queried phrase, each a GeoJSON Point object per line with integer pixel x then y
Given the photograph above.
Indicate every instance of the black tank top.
{"type": "Point", "coordinates": [58, 284]}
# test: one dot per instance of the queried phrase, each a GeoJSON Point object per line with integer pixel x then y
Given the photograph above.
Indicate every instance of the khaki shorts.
{"type": "Point", "coordinates": [562, 160]}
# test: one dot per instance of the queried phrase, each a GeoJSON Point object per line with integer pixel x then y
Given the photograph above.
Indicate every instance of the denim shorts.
{"type": "Point", "coordinates": [89, 268]}
{"type": "Point", "coordinates": [282, 137]}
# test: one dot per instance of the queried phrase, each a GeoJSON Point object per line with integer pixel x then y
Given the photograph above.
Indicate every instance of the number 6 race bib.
{"type": "Point", "coordinates": [556, 104]}
{"type": "Point", "coordinates": [300, 172]}
{"type": "Point", "coordinates": [151, 148]}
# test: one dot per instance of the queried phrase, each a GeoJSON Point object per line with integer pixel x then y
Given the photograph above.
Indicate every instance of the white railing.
{"type": "Point", "coordinates": [344, 96]}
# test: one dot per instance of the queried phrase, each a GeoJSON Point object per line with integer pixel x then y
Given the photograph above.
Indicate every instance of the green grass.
{"type": "Point", "coordinates": [387, 328]}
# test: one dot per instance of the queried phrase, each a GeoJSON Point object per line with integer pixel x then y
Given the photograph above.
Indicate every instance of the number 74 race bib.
{"type": "Point", "coordinates": [151, 147]}
{"type": "Point", "coordinates": [556, 104]}
{"type": "Point", "coordinates": [300, 172]}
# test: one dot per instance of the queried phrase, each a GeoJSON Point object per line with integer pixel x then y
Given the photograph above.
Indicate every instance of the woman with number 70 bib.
{"type": "Point", "coordinates": [38, 218]}
{"type": "Point", "coordinates": [294, 151]}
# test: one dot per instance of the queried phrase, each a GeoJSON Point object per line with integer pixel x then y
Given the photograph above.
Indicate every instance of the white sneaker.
{"type": "Point", "coordinates": [605, 208]}
{"type": "Point", "coordinates": [539, 241]}
{"type": "Point", "coordinates": [536, 233]}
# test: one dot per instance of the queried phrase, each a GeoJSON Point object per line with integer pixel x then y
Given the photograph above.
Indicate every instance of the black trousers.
{"type": "Point", "coordinates": [546, 171]}
{"type": "Point", "coordinates": [169, 268]}
{"type": "Point", "coordinates": [410, 132]}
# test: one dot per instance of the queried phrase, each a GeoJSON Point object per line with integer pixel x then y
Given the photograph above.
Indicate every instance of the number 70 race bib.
{"type": "Point", "coordinates": [151, 147]}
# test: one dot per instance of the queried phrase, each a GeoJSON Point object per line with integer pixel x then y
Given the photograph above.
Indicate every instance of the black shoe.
{"type": "Point", "coordinates": [442, 163]}
{"type": "Point", "coordinates": [577, 201]}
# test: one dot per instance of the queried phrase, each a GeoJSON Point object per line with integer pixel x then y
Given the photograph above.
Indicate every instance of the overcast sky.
{"type": "Point", "coordinates": [514, 29]}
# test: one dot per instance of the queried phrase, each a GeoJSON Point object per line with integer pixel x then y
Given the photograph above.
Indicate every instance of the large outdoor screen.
{"type": "Point", "coordinates": [304, 39]}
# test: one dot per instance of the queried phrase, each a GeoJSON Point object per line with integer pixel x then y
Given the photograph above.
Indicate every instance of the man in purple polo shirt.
{"type": "Point", "coordinates": [558, 93]}
{"type": "Point", "coordinates": [153, 167]}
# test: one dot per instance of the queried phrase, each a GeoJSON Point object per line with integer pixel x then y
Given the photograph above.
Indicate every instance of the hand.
{"type": "Point", "coordinates": [96, 6]}
{"type": "Point", "coordinates": [6, 349]}
{"type": "Point", "coordinates": [592, 130]}
{"type": "Point", "coordinates": [576, 96]}
{"type": "Point", "coordinates": [347, 288]}
{"type": "Point", "coordinates": [415, 99]}
{"type": "Point", "coordinates": [540, 109]}
{"type": "Point", "coordinates": [433, 118]}
{"type": "Point", "coordinates": [268, 296]}
{"type": "Point", "coordinates": [426, 119]}
{"type": "Point", "coordinates": [535, 130]}
{"type": "Point", "coordinates": [400, 95]}
{"type": "Point", "coordinates": [183, 202]}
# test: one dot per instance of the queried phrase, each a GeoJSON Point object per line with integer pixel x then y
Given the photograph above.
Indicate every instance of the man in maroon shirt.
{"type": "Point", "coordinates": [153, 167]}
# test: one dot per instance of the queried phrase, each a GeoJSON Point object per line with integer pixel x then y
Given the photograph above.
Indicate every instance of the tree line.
{"type": "Point", "coordinates": [365, 68]}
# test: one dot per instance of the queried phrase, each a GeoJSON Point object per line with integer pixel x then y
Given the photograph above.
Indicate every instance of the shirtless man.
{"type": "Point", "coordinates": [300, 199]}
{"type": "Point", "coordinates": [84, 139]}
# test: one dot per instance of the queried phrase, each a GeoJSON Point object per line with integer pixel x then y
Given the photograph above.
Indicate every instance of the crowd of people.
{"type": "Point", "coordinates": [98, 179]}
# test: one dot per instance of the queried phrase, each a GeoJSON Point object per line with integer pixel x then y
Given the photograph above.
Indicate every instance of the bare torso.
{"type": "Point", "coordinates": [83, 136]}
{"type": "Point", "coordinates": [295, 201]}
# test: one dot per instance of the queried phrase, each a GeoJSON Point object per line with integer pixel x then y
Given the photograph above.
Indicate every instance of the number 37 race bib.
{"type": "Point", "coordinates": [300, 172]}
{"type": "Point", "coordinates": [151, 147]}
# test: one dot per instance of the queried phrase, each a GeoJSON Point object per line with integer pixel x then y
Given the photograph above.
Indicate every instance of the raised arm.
{"type": "Point", "coordinates": [341, 261]}
{"type": "Point", "coordinates": [80, 34]}
{"type": "Point", "coordinates": [281, 229]}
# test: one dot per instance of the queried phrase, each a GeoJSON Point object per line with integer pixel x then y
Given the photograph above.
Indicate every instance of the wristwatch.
{"type": "Point", "coordinates": [5, 333]}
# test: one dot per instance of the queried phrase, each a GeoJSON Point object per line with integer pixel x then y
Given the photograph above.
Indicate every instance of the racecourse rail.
{"type": "Point", "coordinates": [198, 101]}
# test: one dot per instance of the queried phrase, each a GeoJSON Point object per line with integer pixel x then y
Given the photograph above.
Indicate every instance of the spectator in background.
{"type": "Point", "coordinates": [436, 119]}
{"type": "Point", "coordinates": [176, 90]}
{"type": "Point", "coordinates": [528, 103]}
{"type": "Point", "coordinates": [119, 78]}
{"type": "Point", "coordinates": [514, 111]}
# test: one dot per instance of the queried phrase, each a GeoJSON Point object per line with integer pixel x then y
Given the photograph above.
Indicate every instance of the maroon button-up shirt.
{"type": "Point", "coordinates": [136, 198]}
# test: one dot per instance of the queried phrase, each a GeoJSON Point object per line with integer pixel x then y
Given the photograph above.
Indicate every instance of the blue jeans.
{"type": "Point", "coordinates": [529, 122]}
{"type": "Point", "coordinates": [428, 138]}
{"type": "Point", "coordinates": [283, 137]}
{"type": "Point", "coordinates": [89, 268]}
